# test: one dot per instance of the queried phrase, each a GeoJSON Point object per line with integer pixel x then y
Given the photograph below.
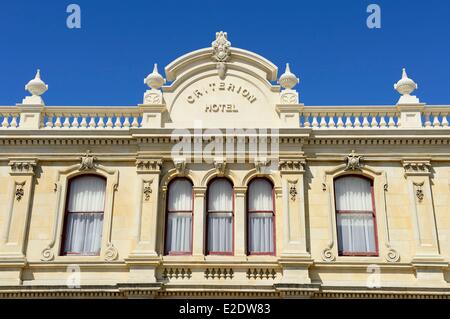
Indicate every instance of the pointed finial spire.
{"type": "Point", "coordinates": [288, 80]}
{"type": "Point", "coordinates": [155, 80]}
{"type": "Point", "coordinates": [36, 87]}
{"type": "Point", "coordinates": [405, 86]}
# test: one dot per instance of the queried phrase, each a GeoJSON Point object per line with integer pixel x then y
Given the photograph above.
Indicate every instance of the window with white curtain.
{"type": "Point", "coordinates": [84, 216]}
{"type": "Point", "coordinates": [179, 218]}
{"type": "Point", "coordinates": [260, 217]}
{"type": "Point", "coordinates": [355, 213]}
{"type": "Point", "coordinates": [220, 217]}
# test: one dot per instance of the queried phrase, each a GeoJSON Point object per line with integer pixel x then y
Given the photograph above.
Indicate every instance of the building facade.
{"type": "Point", "coordinates": [222, 184]}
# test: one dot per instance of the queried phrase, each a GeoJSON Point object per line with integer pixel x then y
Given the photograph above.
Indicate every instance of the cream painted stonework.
{"type": "Point", "coordinates": [222, 97]}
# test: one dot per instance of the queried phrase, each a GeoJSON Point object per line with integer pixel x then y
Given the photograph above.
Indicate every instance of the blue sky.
{"type": "Point", "coordinates": [338, 59]}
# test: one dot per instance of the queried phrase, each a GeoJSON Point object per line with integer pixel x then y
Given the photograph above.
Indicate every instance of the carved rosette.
{"type": "Point", "coordinates": [111, 252]}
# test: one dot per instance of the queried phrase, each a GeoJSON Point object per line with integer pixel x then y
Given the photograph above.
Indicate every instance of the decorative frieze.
{"type": "Point", "coordinates": [22, 167]}
{"type": "Point", "coordinates": [419, 167]}
{"type": "Point", "coordinates": [148, 165]}
{"type": "Point", "coordinates": [292, 166]}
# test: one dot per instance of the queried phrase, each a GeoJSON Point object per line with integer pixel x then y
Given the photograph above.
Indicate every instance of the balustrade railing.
{"type": "Point", "coordinates": [96, 118]}
{"type": "Point", "coordinates": [349, 117]}
{"type": "Point", "coordinates": [313, 117]}
{"type": "Point", "coordinates": [9, 118]}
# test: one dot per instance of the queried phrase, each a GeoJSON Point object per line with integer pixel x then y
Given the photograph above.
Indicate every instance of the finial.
{"type": "Point", "coordinates": [155, 80]}
{"type": "Point", "coordinates": [36, 87]}
{"type": "Point", "coordinates": [405, 86]}
{"type": "Point", "coordinates": [221, 47]}
{"type": "Point", "coordinates": [288, 80]}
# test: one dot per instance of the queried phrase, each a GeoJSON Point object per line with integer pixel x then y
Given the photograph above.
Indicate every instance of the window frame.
{"type": "Point", "coordinates": [249, 253]}
{"type": "Point", "coordinates": [167, 212]}
{"type": "Point", "coordinates": [206, 241]}
{"type": "Point", "coordinates": [66, 215]}
{"type": "Point", "coordinates": [376, 253]}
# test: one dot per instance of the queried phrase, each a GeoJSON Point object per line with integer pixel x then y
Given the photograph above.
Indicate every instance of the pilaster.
{"type": "Point", "coordinates": [427, 261]}
{"type": "Point", "coordinates": [14, 232]}
{"type": "Point", "coordinates": [144, 259]}
{"type": "Point", "coordinates": [295, 259]}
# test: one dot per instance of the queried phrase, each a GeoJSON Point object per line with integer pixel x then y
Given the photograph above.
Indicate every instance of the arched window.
{"type": "Point", "coordinates": [220, 217]}
{"type": "Point", "coordinates": [261, 215]}
{"type": "Point", "coordinates": [179, 218]}
{"type": "Point", "coordinates": [84, 216]}
{"type": "Point", "coordinates": [355, 213]}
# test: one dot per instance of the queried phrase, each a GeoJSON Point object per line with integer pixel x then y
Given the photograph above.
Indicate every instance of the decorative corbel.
{"type": "Point", "coordinates": [220, 165]}
{"type": "Point", "coordinates": [180, 165]}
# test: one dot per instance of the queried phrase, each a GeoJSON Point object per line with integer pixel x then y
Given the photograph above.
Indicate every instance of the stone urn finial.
{"type": "Point", "coordinates": [405, 86]}
{"type": "Point", "coordinates": [288, 80]}
{"type": "Point", "coordinates": [155, 80]}
{"type": "Point", "coordinates": [36, 87]}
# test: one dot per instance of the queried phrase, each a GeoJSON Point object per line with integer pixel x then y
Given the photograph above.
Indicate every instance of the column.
{"type": "Point", "coordinates": [427, 261]}
{"type": "Point", "coordinates": [14, 230]}
{"type": "Point", "coordinates": [199, 236]}
{"type": "Point", "coordinates": [144, 259]}
{"type": "Point", "coordinates": [240, 222]}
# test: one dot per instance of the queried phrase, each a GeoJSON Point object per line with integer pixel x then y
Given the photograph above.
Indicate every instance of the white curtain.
{"type": "Point", "coordinates": [84, 233]}
{"type": "Point", "coordinates": [261, 233]}
{"type": "Point", "coordinates": [356, 233]}
{"type": "Point", "coordinates": [260, 196]}
{"type": "Point", "coordinates": [353, 193]}
{"type": "Point", "coordinates": [260, 203]}
{"type": "Point", "coordinates": [179, 221]}
{"type": "Point", "coordinates": [356, 229]}
{"type": "Point", "coordinates": [220, 217]}
{"type": "Point", "coordinates": [85, 215]}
